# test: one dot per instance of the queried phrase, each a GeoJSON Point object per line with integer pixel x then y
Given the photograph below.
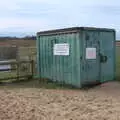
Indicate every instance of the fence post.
{"type": "Point", "coordinates": [17, 70]}
{"type": "Point", "coordinates": [32, 67]}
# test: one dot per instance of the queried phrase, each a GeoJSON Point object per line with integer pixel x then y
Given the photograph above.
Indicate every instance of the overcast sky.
{"type": "Point", "coordinates": [31, 16]}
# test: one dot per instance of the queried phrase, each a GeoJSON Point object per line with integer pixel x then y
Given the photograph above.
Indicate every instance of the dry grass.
{"type": "Point", "coordinates": [28, 101]}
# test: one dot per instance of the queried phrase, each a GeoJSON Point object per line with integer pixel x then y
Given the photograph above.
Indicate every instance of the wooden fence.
{"type": "Point", "coordinates": [16, 70]}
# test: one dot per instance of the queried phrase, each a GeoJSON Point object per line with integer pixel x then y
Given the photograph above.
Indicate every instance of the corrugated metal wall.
{"type": "Point", "coordinates": [107, 48]}
{"type": "Point", "coordinates": [60, 68]}
{"type": "Point", "coordinates": [76, 68]}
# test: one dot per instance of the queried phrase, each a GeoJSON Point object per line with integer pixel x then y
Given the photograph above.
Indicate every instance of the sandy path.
{"type": "Point", "coordinates": [100, 103]}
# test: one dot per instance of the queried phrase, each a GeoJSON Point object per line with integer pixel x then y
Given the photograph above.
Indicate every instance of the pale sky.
{"type": "Point", "coordinates": [31, 16]}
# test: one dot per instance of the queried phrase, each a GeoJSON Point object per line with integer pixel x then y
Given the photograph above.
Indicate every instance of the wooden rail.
{"type": "Point", "coordinates": [18, 70]}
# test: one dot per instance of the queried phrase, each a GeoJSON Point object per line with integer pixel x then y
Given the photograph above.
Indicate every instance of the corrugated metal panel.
{"type": "Point", "coordinates": [75, 68]}
{"type": "Point", "coordinates": [107, 48]}
{"type": "Point", "coordinates": [60, 68]}
{"type": "Point", "coordinates": [91, 67]}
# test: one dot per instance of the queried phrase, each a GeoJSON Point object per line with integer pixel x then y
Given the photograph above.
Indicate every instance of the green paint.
{"type": "Point", "coordinates": [75, 69]}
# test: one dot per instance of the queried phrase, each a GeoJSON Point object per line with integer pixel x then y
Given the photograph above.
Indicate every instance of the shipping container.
{"type": "Point", "coordinates": [77, 56]}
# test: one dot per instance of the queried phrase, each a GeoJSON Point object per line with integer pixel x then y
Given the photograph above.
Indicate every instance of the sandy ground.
{"type": "Point", "coordinates": [30, 103]}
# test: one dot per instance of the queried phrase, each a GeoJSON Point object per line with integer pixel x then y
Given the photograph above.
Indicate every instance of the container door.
{"type": "Point", "coordinates": [107, 52]}
{"type": "Point", "coordinates": [92, 59]}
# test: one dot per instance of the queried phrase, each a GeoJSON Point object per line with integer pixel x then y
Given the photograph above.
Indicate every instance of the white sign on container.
{"type": "Point", "coordinates": [90, 53]}
{"type": "Point", "coordinates": [61, 49]}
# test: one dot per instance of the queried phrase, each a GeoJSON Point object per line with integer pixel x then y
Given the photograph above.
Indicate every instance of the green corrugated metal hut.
{"type": "Point", "coordinates": [76, 56]}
